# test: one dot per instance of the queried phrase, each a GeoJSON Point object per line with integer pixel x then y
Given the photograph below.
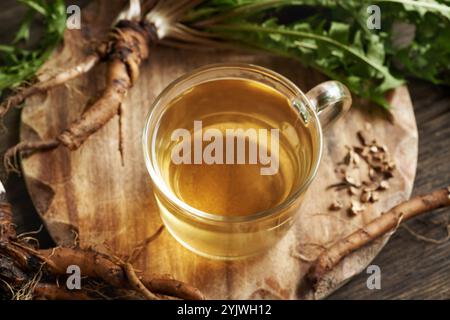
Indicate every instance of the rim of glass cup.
{"type": "Point", "coordinates": [150, 155]}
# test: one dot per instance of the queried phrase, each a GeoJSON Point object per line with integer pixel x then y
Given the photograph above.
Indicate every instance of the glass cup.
{"type": "Point", "coordinates": [232, 237]}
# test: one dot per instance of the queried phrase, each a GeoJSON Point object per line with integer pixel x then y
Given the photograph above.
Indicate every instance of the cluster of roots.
{"type": "Point", "coordinates": [27, 272]}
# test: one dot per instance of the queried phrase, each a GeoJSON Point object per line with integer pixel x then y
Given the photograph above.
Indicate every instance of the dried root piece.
{"type": "Point", "coordinates": [380, 168]}
{"type": "Point", "coordinates": [129, 46]}
{"type": "Point", "coordinates": [336, 205]}
{"type": "Point", "coordinates": [374, 196]}
{"type": "Point", "coordinates": [365, 138]}
{"type": "Point", "coordinates": [353, 191]}
{"type": "Point", "coordinates": [384, 185]}
{"type": "Point", "coordinates": [352, 178]}
{"type": "Point", "coordinates": [390, 220]}
{"type": "Point", "coordinates": [369, 195]}
{"type": "Point", "coordinates": [173, 288]}
{"type": "Point", "coordinates": [366, 196]}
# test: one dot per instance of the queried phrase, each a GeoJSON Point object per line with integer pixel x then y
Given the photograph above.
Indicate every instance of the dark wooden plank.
{"type": "Point", "coordinates": [410, 268]}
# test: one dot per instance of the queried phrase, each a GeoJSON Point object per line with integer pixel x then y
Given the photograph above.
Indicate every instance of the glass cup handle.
{"type": "Point", "coordinates": [331, 100]}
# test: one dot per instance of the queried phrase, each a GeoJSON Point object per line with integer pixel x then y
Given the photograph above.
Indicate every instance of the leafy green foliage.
{"type": "Point", "coordinates": [18, 64]}
{"type": "Point", "coordinates": [328, 35]}
{"type": "Point", "coordinates": [427, 56]}
{"type": "Point", "coordinates": [354, 58]}
{"type": "Point", "coordinates": [332, 37]}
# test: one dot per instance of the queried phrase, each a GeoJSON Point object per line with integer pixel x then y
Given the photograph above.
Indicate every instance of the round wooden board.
{"type": "Point", "coordinates": [90, 196]}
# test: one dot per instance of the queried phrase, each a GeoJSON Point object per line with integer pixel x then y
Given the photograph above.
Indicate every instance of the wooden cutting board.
{"type": "Point", "coordinates": [90, 197]}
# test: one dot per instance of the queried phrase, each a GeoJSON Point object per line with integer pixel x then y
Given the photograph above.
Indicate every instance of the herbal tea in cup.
{"type": "Point", "coordinates": [231, 150]}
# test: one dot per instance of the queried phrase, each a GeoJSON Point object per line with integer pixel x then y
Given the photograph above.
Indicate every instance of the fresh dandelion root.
{"type": "Point", "coordinates": [10, 160]}
{"type": "Point", "coordinates": [20, 263]}
{"type": "Point", "coordinates": [127, 47]}
{"type": "Point", "coordinates": [130, 46]}
{"type": "Point", "coordinates": [390, 220]}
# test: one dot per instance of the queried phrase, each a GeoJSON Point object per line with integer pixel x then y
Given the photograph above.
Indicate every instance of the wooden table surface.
{"type": "Point", "coordinates": [410, 268]}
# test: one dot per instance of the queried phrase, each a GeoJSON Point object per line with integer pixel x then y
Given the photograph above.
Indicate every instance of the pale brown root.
{"type": "Point", "coordinates": [91, 263]}
{"type": "Point", "coordinates": [40, 87]}
{"type": "Point", "coordinates": [121, 134]}
{"type": "Point", "coordinates": [330, 257]}
{"type": "Point", "coordinates": [101, 111]}
{"type": "Point", "coordinates": [173, 288]}
{"type": "Point", "coordinates": [49, 291]}
{"type": "Point", "coordinates": [129, 49]}
{"type": "Point", "coordinates": [11, 158]}
{"type": "Point", "coordinates": [136, 283]}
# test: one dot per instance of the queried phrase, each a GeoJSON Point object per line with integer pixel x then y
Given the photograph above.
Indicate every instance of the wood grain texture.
{"type": "Point", "coordinates": [90, 194]}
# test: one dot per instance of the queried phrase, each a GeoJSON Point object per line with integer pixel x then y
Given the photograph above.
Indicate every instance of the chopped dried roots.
{"type": "Point", "coordinates": [380, 169]}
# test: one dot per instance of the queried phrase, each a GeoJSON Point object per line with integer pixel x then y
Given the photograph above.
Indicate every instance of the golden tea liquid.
{"type": "Point", "coordinates": [236, 187]}
{"type": "Point", "coordinates": [235, 149]}
{"type": "Point", "coordinates": [231, 150]}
